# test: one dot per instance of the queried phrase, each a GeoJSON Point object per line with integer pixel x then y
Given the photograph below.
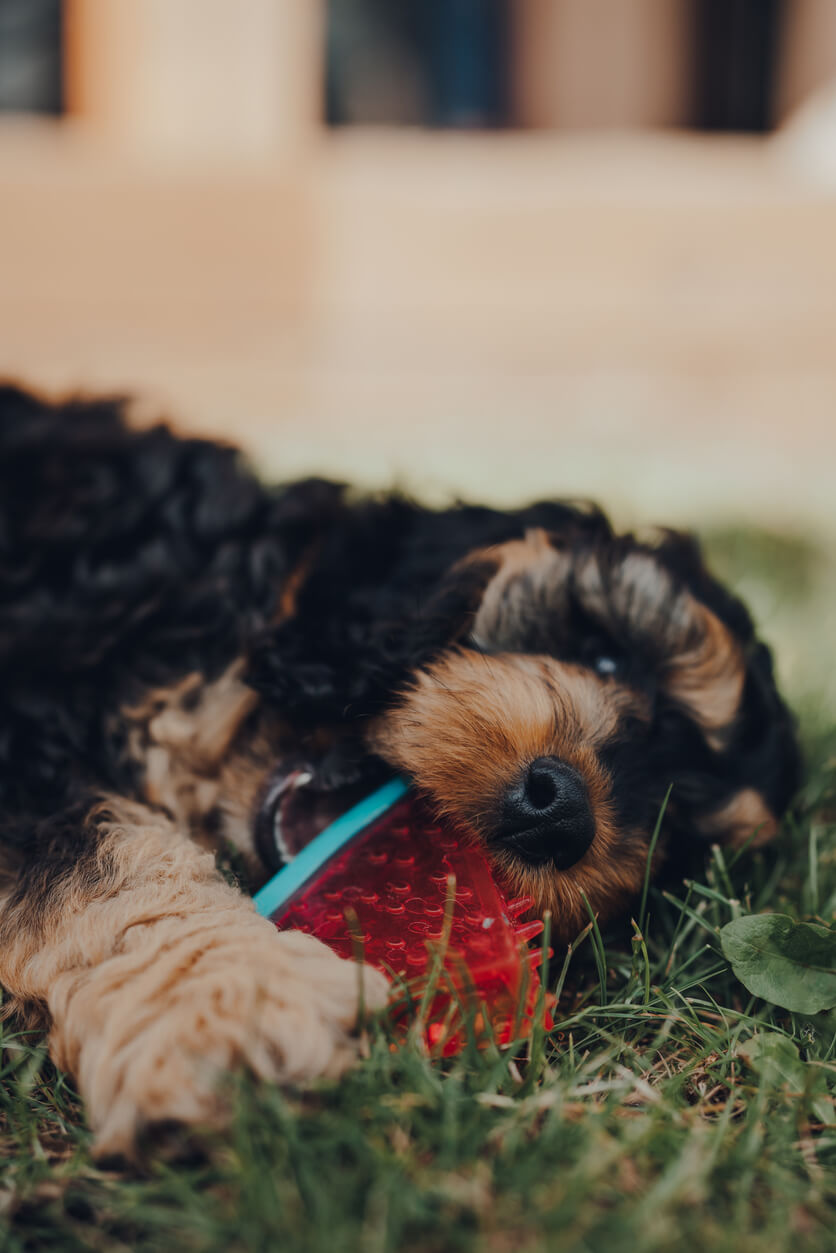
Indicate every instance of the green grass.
{"type": "Point", "coordinates": [635, 1125]}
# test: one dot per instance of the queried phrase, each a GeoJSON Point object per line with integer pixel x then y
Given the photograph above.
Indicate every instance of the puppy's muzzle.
{"type": "Point", "coordinates": [545, 815]}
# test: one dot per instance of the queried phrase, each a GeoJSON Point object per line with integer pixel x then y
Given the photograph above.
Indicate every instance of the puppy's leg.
{"type": "Point", "coordinates": [155, 976]}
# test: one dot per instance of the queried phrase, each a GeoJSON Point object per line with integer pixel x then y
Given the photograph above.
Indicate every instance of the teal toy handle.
{"type": "Point", "coordinates": [278, 890]}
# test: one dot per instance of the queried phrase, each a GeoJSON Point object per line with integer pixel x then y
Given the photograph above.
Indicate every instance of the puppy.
{"type": "Point", "coordinates": [192, 662]}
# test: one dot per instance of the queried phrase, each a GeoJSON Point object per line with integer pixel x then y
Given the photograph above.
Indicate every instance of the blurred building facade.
{"type": "Point", "coordinates": [253, 74]}
{"type": "Point", "coordinates": [482, 248]}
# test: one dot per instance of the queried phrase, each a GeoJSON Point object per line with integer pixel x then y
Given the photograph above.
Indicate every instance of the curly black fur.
{"type": "Point", "coordinates": [130, 557]}
{"type": "Point", "coordinates": [127, 559]}
{"type": "Point", "coordinates": [384, 597]}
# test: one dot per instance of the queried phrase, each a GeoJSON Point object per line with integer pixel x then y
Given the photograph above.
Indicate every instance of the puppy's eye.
{"type": "Point", "coordinates": [605, 666]}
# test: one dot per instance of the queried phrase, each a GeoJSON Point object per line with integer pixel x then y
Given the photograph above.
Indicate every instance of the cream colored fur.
{"type": "Point", "coordinates": [158, 977]}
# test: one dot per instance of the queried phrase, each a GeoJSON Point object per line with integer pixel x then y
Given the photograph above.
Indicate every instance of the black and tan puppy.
{"type": "Point", "coordinates": [189, 660]}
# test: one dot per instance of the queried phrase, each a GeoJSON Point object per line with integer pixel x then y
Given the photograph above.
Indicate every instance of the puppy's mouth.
{"type": "Point", "coordinates": [300, 800]}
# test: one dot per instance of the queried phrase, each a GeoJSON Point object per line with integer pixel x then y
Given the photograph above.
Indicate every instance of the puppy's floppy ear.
{"type": "Point", "coordinates": [761, 763]}
{"type": "Point", "coordinates": [724, 736]}
{"type": "Point", "coordinates": [370, 611]}
{"type": "Point", "coordinates": [698, 659]}
{"type": "Point", "coordinates": [757, 760]}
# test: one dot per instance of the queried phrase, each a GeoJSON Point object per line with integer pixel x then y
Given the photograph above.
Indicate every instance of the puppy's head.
{"type": "Point", "coordinates": [546, 690]}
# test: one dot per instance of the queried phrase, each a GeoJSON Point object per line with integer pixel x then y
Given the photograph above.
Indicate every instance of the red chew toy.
{"type": "Point", "coordinates": [390, 890]}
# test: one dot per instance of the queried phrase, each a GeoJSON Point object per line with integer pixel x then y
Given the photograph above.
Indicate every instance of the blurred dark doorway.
{"type": "Point", "coordinates": [737, 43]}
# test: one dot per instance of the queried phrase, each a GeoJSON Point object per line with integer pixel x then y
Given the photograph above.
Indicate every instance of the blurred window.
{"type": "Point", "coordinates": [30, 56]}
{"type": "Point", "coordinates": [710, 64]}
{"type": "Point", "coordinates": [418, 62]}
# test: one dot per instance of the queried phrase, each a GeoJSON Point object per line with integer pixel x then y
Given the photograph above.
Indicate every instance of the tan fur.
{"type": "Point", "coordinates": [294, 583]}
{"type": "Point", "coordinates": [610, 876]}
{"type": "Point", "coordinates": [158, 976]}
{"type": "Point", "coordinates": [528, 569]}
{"type": "Point", "coordinates": [204, 755]}
{"type": "Point", "coordinates": [746, 818]}
{"type": "Point", "coordinates": [707, 676]}
{"type": "Point", "coordinates": [469, 726]}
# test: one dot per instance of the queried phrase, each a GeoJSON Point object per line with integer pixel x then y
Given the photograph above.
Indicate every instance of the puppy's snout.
{"type": "Point", "coordinates": [546, 815]}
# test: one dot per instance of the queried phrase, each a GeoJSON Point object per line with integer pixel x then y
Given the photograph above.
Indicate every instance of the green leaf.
{"type": "Point", "coordinates": [791, 964]}
{"type": "Point", "coordinates": [777, 1061]}
{"type": "Point", "coordinates": [775, 1058]}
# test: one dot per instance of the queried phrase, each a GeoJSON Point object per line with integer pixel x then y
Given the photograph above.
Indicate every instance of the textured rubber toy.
{"type": "Point", "coordinates": [417, 898]}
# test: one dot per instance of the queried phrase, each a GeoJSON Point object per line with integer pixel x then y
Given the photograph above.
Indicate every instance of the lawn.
{"type": "Point", "coordinates": [649, 1119]}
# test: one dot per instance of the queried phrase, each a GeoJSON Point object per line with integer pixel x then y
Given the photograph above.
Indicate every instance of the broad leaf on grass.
{"type": "Point", "coordinates": [777, 1061]}
{"type": "Point", "coordinates": [775, 1057]}
{"type": "Point", "coordinates": [791, 964]}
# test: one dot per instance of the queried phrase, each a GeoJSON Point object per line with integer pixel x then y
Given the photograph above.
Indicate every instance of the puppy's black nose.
{"type": "Point", "coordinates": [546, 815]}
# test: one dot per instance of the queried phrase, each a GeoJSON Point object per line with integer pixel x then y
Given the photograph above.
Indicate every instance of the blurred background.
{"type": "Point", "coordinates": [490, 248]}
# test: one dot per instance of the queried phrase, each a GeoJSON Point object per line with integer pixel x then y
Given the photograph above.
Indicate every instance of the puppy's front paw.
{"type": "Point", "coordinates": [152, 1046]}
